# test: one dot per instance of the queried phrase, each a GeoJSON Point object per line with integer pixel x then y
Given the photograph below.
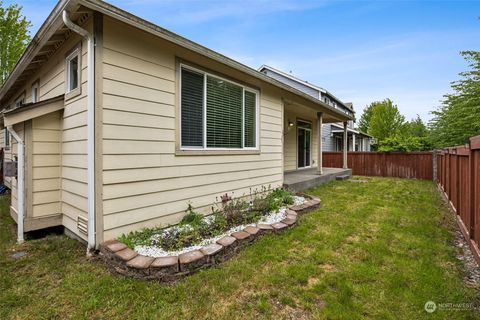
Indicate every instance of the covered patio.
{"type": "Point", "coordinates": [303, 145]}
{"type": "Point", "coordinates": [300, 180]}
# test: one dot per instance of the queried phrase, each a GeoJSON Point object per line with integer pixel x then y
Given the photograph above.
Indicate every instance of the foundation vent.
{"type": "Point", "coordinates": [82, 225]}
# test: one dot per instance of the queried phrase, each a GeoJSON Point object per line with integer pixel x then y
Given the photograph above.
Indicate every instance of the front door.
{"type": "Point", "coordinates": [304, 141]}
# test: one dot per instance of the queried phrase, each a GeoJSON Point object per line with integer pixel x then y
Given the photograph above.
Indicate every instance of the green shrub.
{"type": "Point", "coordinates": [137, 238]}
{"type": "Point", "coordinates": [285, 196]}
{"type": "Point", "coordinates": [273, 200]}
{"type": "Point", "coordinates": [191, 217]}
{"type": "Point", "coordinates": [218, 222]}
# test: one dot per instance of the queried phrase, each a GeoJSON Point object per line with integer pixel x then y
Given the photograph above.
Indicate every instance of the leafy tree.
{"type": "Point", "coordinates": [385, 121]}
{"type": "Point", "coordinates": [458, 118]}
{"type": "Point", "coordinates": [14, 37]}
{"type": "Point", "coordinates": [364, 122]}
{"type": "Point", "coordinates": [401, 143]}
{"type": "Point", "coordinates": [391, 131]}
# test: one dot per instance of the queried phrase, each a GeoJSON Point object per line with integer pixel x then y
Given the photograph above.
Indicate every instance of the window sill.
{"type": "Point", "coordinates": [73, 94]}
{"type": "Point", "coordinates": [180, 152]}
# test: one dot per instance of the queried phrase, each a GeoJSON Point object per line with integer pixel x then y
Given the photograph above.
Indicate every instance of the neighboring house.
{"type": "Point", "coordinates": [332, 134]}
{"type": "Point", "coordinates": [116, 124]}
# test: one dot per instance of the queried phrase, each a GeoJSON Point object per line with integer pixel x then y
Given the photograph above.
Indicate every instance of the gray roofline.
{"type": "Point", "coordinates": [52, 24]}
{"type": "Point", "coordinates": [308, 84]}
{"type": "Point", "coordinates": [354, 129]}
{"type": "Point", "coordinates": [290, 76]}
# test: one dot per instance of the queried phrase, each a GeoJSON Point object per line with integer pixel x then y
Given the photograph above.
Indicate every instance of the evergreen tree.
{"type": "Point", "coordinates": [458, 118]}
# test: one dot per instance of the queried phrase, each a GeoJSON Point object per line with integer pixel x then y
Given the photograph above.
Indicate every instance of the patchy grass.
{"type": "Point", "coordinates": [374, 250]}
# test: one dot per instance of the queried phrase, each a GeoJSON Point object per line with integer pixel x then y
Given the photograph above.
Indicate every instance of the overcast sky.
{"type": "Point", "coordinates": [361, 51]}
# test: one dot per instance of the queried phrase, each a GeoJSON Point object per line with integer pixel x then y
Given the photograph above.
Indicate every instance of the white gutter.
{"type": "Point", "coordinates": [90, 126]}
{"type": "Point", "coordinates": [20, 183]}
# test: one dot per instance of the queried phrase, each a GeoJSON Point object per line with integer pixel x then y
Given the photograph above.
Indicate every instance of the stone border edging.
{"type": "Point", "coordinates": [122, 260]}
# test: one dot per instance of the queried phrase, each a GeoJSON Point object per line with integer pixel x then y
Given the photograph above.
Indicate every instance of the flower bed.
{"type": "Point", "coordinates": [198, 241]}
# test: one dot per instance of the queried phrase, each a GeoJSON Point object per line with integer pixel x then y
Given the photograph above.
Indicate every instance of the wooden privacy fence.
{"type": "Point", "coordinates": [418, 165]}
{"type": "Point", "coordinates": [458, 177]}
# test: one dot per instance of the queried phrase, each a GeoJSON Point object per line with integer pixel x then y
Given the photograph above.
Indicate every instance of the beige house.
{"type": "Point", "coordinates": [115, 124]}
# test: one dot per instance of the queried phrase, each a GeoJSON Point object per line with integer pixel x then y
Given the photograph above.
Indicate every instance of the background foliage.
{"type": "Point", "coordinates": [14, 37]}
{"type": "Point", "coordinates": [458, 118]}
{"type": "Point", "coordinates": [383, 121]}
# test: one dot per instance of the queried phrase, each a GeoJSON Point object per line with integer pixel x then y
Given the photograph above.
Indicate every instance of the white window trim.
{"type": "Point", "coordinates": [6, 134]}
{"type": "Point", "coordinates": [204, 110]}
{"type": "Point", "coordinates": [35, 86]}
{"type": "Point", "coordinates": [75, 53]}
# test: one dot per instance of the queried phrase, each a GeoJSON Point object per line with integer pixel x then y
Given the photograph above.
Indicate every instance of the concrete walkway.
{"type": "Point", "coordinates": [300, 180]}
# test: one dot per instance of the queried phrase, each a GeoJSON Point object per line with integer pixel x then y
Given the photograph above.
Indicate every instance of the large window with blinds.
{"type": "Point", "coordinates": [217, 113]}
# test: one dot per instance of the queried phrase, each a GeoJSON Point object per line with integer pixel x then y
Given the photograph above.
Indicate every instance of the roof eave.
{"type": "Point", "coordinates": [305, 83]}
{"type": "Point", "coordinates": [315, 87]}
{"type": "Point", "coordinates": [48, 28]}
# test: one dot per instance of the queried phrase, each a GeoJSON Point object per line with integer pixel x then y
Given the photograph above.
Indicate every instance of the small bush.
{"type": "Point", "coordinates": [285, 196]}
{"type": "Point", "coordinates": [137, 238]}
{"type": "Point", "coordinates": [234, 211]}
{"type": "Point", "coordinates": [191, 217]}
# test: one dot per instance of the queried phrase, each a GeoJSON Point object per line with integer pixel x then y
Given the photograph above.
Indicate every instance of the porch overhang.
{"type": "Point", "coordinates": [32, 110]}
{"type": "Point", "coordinates": [329, 114]}
{"type": "Point", "coordinates": [350, 131]}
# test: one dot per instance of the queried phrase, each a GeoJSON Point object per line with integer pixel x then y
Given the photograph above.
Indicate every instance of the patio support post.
{"type": "Point", "coordinates": [345, 145]}
{"type": "Point", "coordinates": [320, 143]}
{"type": "Point", "coordinates": [353, 142]}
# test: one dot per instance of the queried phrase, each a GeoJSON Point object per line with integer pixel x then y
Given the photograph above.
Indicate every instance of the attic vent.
{"type": "Point", "coordinates": [83, 18]}
{"type": "Point", "coordinates": [82, 225]}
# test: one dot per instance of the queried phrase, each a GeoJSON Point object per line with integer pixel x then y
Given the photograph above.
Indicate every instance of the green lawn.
{"type": "Point", "coordinates": [374, 250]}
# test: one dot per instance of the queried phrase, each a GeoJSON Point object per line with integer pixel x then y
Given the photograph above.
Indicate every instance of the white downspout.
{"type": "Point", "coordinates": [20, 183]}
{"type": "Point", "coordinates": [90, 126]}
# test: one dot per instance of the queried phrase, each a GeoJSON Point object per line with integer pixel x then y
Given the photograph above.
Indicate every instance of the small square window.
{"type": "Point", "coordinates": [73, 73]}
{"type": "Point", "coordinates": [35, 92]}
{"type": "Point", "coordinates": [6, 137]}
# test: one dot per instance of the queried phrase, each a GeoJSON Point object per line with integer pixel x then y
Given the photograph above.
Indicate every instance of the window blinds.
{"type": "Point", "coordinates": [192, 109]}
{"type": "Point", "coordinates": [224, 114]}
{"type": "Point", "coordinates": [230, 113]}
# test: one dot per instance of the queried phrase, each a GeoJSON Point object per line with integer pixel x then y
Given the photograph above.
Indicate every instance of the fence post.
{"type": "Point", "coordinates": [471, 177]}
{"type": "Point", "coordinates": [434, 165]}
{"type": "Point", "coordinates": [448, 173]}
{"type": "Point", "coordinates": [458, 207]}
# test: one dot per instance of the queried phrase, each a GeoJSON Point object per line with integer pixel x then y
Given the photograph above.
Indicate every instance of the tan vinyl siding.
{"type": "Point", "coordinates": [294, 113]}
{"type": "Point", "coordinates": [145, 182]}
{"type": "Point", "coordinates": [59, 166]}
{"type": "Point", "coordinates": [74, 154]}
{"type": "Point", "coordinates": [46, 161]}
